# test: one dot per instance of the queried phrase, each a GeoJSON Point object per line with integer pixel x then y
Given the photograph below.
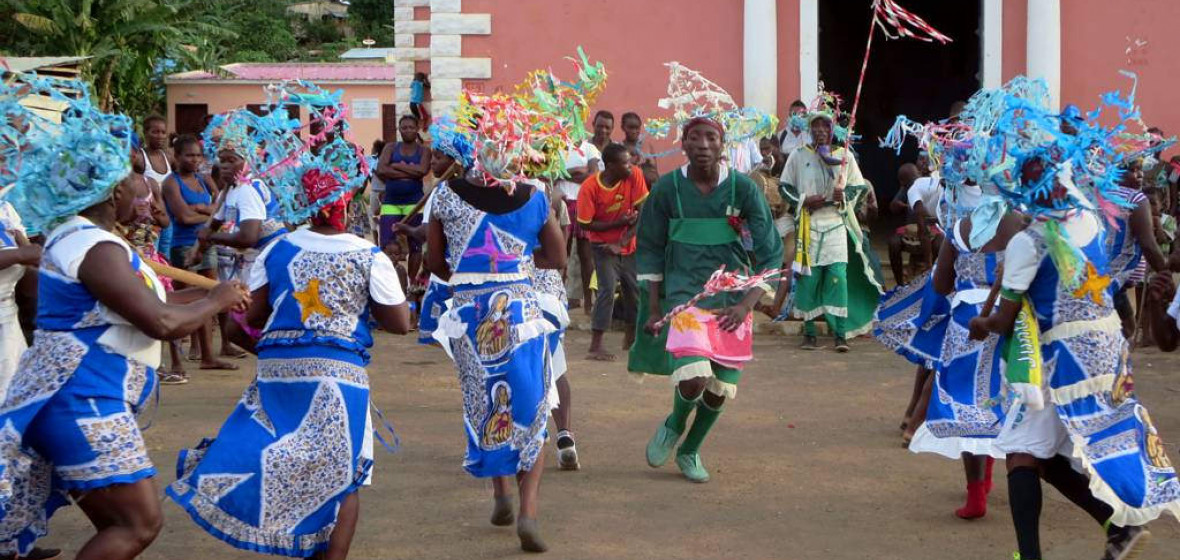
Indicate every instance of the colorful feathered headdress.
{"type": "Point", "coordinates": [525, 135]}
{"type": "Point", "coordinates": [691, 95]}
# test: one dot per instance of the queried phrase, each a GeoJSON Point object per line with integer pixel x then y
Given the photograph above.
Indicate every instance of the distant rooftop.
{"type": "Point", "coordinates": [367, 54]}
{"type": "Point", "coordinates": [276, 71]}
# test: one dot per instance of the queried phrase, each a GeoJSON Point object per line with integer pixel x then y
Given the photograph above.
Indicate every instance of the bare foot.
{"type": "Point", "coordinates": [600, 356]}
{"type": "Point", "coordinates": [218, 364]}
{"type": "Point", "coordinates": [502, 515]}
{"type": "Point", "coordinates": [232, 351]}
{"type": "Point", "coordinates": [530, 535]}
{"type": "Point", "coordinates": [906, 438]}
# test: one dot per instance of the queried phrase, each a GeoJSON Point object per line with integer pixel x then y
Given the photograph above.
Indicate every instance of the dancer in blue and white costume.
{"type": "Point", "coordinates": [282, 475]}
{"type": "Point", "coordinates": [965, 411]}
{"type": "Point", "coordinates": [926, 322]}
{"type": "Point", "coordinates": [481, 239]}
{"type": "Point", "coordinates": [1080, 412]}
{"type": "Point", "coordinates": [68, 427]}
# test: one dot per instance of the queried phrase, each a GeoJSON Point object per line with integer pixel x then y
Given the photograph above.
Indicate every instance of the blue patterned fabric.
{"type": "Point", "coordinates": [68, 421]}
{"type": "Point", "coordinates": [966, 399]}
{"type": "Point", "coordinates": [1087, 365]}
{"type": "Point", "coordinates": [496, 332]}
{"type": "Point", "coordinates": [434, 305]}
{"type": "Point", "coordinates": [912, 321]}
{"type": "Point", "coordinates": [296, 444]}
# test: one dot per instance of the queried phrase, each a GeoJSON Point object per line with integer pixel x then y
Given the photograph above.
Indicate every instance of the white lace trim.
{"type": "Point", "coordinates": [1110, 323]}
{"type": "Point", "coordinates": [704, 369]}
{"type": "Point", "coordinates": [952, 447]}
{"type": "Point", "coordinates": [1083, 389]}
{"type": "Point", "coordinates": [819, 312]}
{"type": "Point", "coordinates": [466, 278]}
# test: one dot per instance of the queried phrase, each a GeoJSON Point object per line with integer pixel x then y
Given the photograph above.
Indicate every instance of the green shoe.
{"type": "Point", "coordinates": [660, 447]}
{"type": "Point", "coordinates": [692, 467]}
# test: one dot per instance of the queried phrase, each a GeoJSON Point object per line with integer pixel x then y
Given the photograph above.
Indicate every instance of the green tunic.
{"type": "Point", "coordinates": [684, 236]}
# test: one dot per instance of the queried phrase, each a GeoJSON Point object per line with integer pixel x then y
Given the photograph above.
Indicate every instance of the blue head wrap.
{"type": "Point", "coordinates": [455, 141]}
{"type": "Point", "coordinates": [59, 169]}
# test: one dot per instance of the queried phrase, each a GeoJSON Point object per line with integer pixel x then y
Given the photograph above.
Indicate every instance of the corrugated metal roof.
{"type": "Point", "coordinates": [27, 63]}
{"type": "Point", "coordinates": [321, 72]}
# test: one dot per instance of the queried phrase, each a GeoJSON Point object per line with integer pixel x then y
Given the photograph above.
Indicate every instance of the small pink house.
{"type": "Point", "coordinates": [368, 90]}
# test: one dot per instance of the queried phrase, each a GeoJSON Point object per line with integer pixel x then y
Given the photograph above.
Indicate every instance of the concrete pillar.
{"type": "Point", "coordinates": [760, 56]}
{"type": "Point", "coordinates": [993, 44]}
{"type": "Point", "coordinates": [1043, 46]}
{"type": "Point", "coordinates": [808, 49]}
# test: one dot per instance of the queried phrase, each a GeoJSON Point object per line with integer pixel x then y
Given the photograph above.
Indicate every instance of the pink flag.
{"type": "Point", "coordinates": [898, 22]}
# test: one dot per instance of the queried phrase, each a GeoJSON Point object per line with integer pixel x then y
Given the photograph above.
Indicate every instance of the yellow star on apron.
{"type": "Point", "coordinates": [310, 302]}
{"type": "Point", "coordinates": [1094, 285]}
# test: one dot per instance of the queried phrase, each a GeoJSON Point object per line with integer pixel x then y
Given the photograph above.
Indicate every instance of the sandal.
{"type": "Point", "coordinates": [173, 379]}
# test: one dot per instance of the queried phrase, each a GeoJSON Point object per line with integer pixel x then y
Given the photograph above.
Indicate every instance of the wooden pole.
{"type": "Point", "coordinates": [994, 294]}
{"type": "Point", "coordinates": [189, 278]}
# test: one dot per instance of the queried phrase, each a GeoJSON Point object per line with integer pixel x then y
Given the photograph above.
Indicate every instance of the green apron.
{"type": "Point", "coordinates": [649, 353]}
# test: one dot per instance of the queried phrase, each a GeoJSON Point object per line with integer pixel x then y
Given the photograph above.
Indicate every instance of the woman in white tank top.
{"type": "Point", "coordinates": [155, 132]}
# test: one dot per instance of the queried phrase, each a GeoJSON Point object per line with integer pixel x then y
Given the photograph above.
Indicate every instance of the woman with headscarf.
{"type": "Point", "coordinates": [69, 415]}
{"type": "Point", "coordinates": [282, 475]}
{"type": "Point", "coordinates": [483, 239]}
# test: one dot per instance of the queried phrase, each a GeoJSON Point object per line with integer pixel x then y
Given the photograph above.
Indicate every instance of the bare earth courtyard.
{"type": "Point", "coordinates": [807, 464]}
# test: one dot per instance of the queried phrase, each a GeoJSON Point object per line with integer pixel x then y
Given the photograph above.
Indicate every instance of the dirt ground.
{"type": "Point", "coordinates": [807, 464]}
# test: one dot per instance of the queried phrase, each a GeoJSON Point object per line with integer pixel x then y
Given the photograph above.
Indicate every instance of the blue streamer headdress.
{"type": "Point", "coordinates": [1079, 164]}
{"type": "Point", "coordinates": [691, 95]}
{"type": "Point", "coordinates": [456, 141]}
{"type": "Point", "coordinates": [308, 175]}
{"type": "Point", "coordinates": [59, 168]}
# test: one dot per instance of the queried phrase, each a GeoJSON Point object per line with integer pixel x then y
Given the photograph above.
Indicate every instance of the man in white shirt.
{"type": "Point", "coordinates": [580, 164]}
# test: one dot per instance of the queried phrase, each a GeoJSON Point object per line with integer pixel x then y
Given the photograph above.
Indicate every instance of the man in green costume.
{"type": "Point", "coordinates": [833, 275]}
{"type": "Point", "coordinates": [689, 227]}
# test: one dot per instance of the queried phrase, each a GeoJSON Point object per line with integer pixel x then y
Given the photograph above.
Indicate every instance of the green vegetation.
{"type": "Point", "coordinates": [133, 44]}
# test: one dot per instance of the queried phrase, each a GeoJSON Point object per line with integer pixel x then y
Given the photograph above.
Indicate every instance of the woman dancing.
{"type": "Point", "coordinates": [282, 475]}
{"type": "Point", "coordinates": [480, 240]}
{"type": "Point", "coordinates": [70, 430]}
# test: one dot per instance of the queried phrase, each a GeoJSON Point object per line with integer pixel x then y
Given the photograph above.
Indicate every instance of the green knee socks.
{"type": "Point", "coordinates": [706, 417]}
{"type": "Point", "coordinates": [681, 407]}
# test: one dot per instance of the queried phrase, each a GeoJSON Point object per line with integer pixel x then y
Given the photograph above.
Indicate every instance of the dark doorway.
{"type": "Point", "coordinates": [190, 118]}
{"type": "Point", "coordinates": [389, 122]}
{"type": "Point", "coordinates": [905, 76]}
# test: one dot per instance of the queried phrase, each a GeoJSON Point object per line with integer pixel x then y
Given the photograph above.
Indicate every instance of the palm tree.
{"type": "Point", "coordinates": [123, 38]}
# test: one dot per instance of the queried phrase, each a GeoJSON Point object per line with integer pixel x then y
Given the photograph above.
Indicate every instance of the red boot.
{"type": "Point", "coordinates": [976, 501]}
{"type": "Point", "coordinates": [987, 474]}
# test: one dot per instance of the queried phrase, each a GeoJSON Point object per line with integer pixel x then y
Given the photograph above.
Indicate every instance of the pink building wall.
{"type": "Point", "coordinates": [1095, 37]}
{"type": "Point", "coordinates": [633, 39]}
{"type": "Point", "coordinates": [1094, 43]}
{"type": "Point", "coordinates": [224, 96]}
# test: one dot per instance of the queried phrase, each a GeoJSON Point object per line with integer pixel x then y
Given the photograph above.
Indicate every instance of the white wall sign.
{"type": "Point", "coordinates": [366, 108]}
